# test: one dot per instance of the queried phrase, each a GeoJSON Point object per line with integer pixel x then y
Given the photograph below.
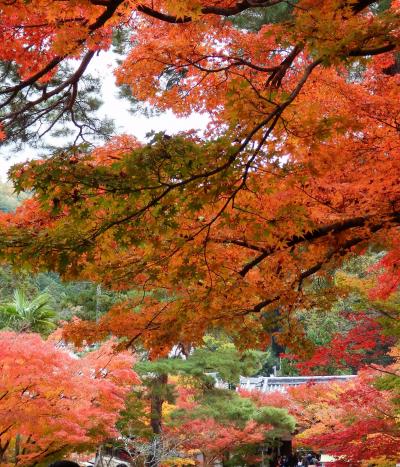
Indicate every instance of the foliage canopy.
{"type": "Point", "coordinates": [298, 168]}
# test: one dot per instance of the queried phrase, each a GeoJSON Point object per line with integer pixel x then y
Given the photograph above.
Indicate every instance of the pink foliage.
{"type": "Point", "coordinates": [56, 402]}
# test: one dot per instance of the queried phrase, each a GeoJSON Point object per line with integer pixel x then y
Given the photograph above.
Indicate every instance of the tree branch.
{"type": "Point", "coordinates": [260, 306]}
{"type": "Point", "coordinates": [377, 51]}
{"type": "Point", "coordinates": [334, 228]}
{"type": "Point", "coordinates": [211, 10]}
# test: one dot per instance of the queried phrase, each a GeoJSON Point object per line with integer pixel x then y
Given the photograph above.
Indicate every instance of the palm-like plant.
{"type": "Point", "coordinates": [24, 315]}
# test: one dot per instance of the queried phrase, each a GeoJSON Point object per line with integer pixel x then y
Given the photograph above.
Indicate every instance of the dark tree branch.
{"type": "Point", "coordinates": [150, 325]}
{"type": "Point", "coordinates": [341, 250]}
{"type": "Point", "coordinates": [100, 21]}
{"type": "Point", "coordinates": [223, 11]}
{"type": "Point", "coordinates": [276, 77]}
{"type": "Point", "coordinates": [361, 5]}
{"type": "Point", "coordinates": [259, 306]}
{"type": "Point", "coordinates": [334, 228]}
{"type": "Point", "coordinates": [270, 120]}
{"type": "Point", "coordinates": [22, 111]}
{"type": "Point", "coordinates": [11, 93]}
{"type": "Point", "coordinates": [376, 51]}
{"type": "Point", "coordinates": [242, 243]}
{"type": "Point", "coordinates": [23, 84]}
{"type": "Point", "coordinates": [382, 370]}
{"type": "Point", "coordinates": [6, 429]}
{"type": "Point", "coordinates": [220, 11]}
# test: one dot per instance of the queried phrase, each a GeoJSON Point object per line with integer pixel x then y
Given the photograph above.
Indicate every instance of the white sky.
{"type": "Point", "coordinates": [117, 109]}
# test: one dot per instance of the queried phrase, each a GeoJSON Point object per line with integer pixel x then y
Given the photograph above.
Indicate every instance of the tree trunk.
{"type": "Point", "coordinates": [17, 447]}
{"type": "Point", "coordinates": [156, 404]}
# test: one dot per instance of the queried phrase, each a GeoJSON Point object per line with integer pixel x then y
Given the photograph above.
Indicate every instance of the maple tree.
{"type": "Point", "coordinates": [53, 403]}
{"type": "Point", "coordinates": [45, 34]}
{"type": "Point", "coordinates": [359, 327]}
{"type": "Point", "coordinates": [388, 281]}
{"type": "Point", "coordinates": [298, 166]}
{"type": "Point", "coordinates": [364, 343]}
{"type": "Point", "coordinates": [355, 421]}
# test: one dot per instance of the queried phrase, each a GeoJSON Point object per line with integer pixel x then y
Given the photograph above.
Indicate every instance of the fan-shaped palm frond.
{"type": "Point", "coordinates": [25, 315]}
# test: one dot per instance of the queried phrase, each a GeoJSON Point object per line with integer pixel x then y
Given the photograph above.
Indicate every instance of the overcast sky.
{"type": "Point", "coordinates": [117, 109]}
